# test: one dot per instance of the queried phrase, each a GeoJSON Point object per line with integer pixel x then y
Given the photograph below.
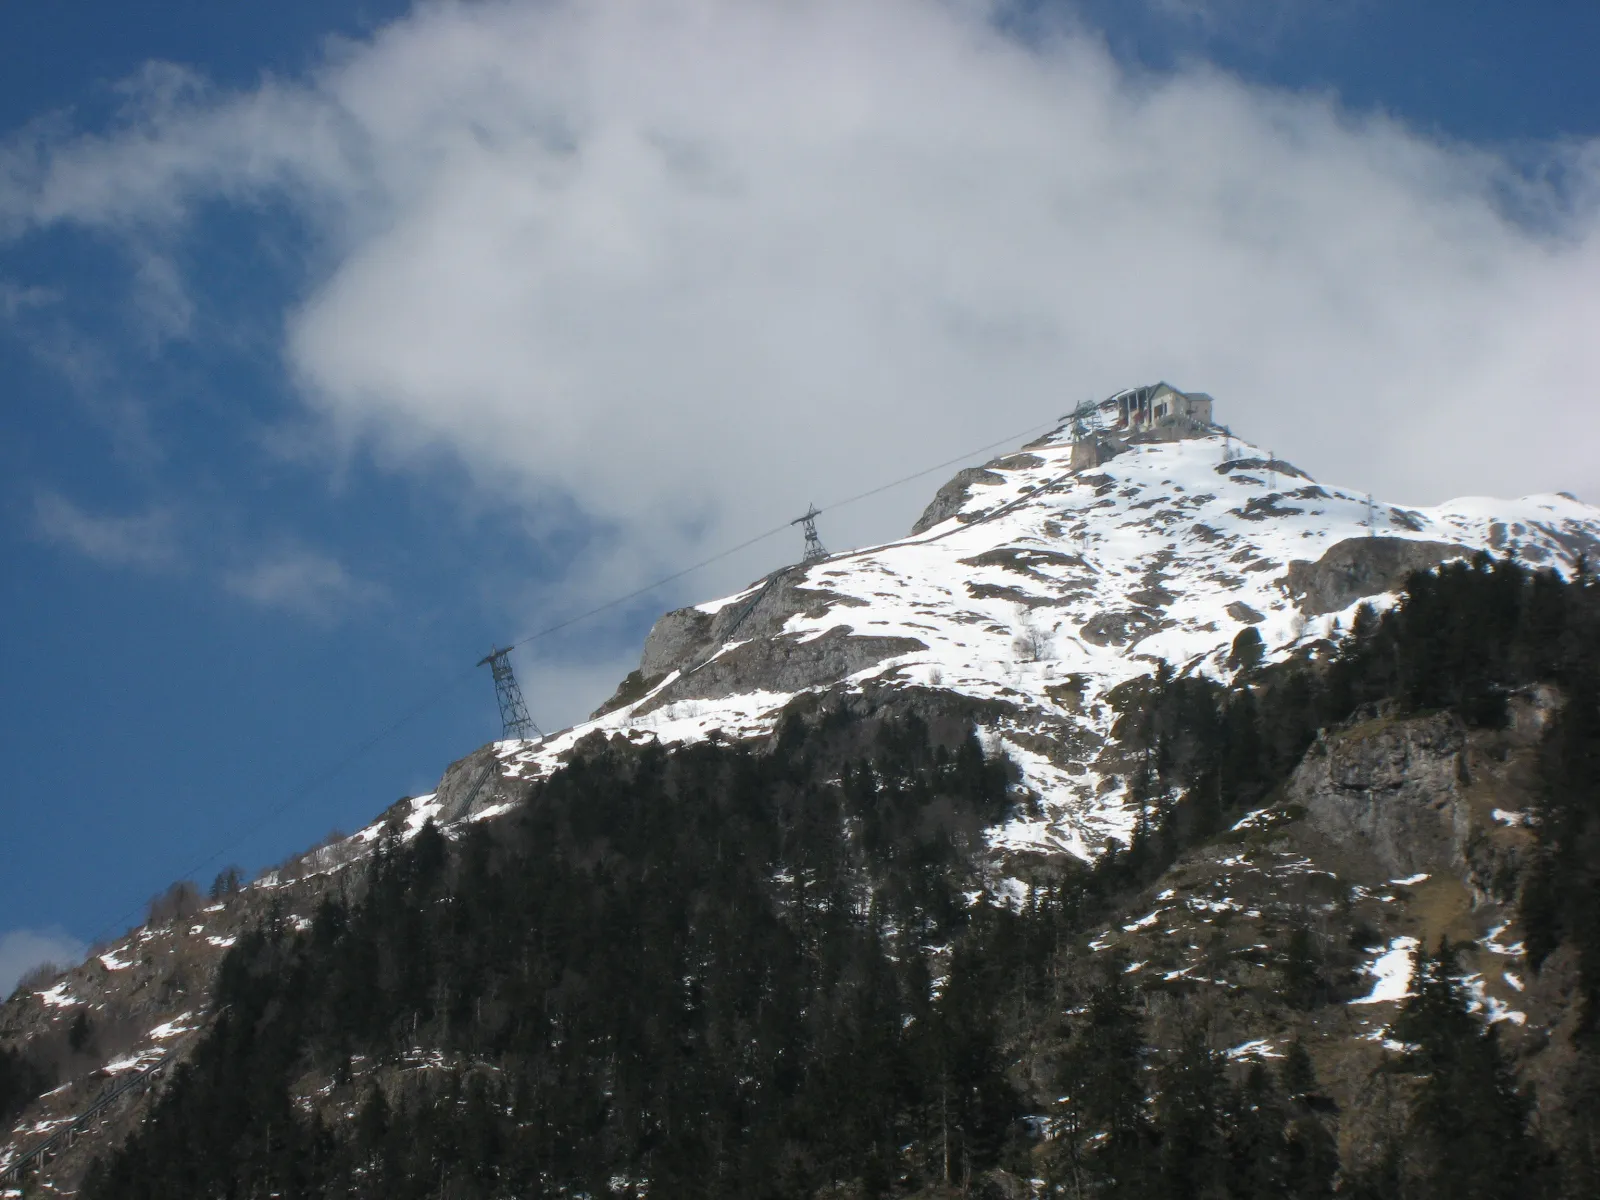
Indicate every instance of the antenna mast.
{"type": "Point", "coordinates": [814, 551]}
{"type": "Point", "coordinates": [514, 719]}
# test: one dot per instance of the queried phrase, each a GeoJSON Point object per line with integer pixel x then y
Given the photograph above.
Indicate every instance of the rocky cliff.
{"type": "Point", "coordinates": [1026, 596]}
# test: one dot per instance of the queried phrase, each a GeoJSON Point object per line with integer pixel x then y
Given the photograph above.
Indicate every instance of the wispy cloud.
{"type": "Point", "coordinates": [679, 268]}
{"type": "Point", "coordinates": [144, 540]}
{"type": "Point", "coordinates": [16, 298]}
{"type": "Point", "coordinates": [23, 950]}
{"type": "Point", "coordinates": [300, 581]}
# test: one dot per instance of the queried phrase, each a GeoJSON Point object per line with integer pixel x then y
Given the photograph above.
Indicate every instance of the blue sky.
{"type": "Point", "coordinates": [339, 343]}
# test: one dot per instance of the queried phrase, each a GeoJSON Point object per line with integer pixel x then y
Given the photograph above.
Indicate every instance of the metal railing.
{"type": "Point", "coordinates": [69, 1132]}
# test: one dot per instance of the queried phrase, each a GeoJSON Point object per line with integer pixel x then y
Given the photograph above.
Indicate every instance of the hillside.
{"type": "Point", "coordinates": [1114, 746]}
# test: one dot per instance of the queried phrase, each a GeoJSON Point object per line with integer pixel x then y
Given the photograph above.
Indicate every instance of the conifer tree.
{"type": "Point", "coordinates": [1467, 1135]}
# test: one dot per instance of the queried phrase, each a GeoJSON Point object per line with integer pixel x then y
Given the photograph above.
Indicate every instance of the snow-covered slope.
{"type": "Point", "coordinates": [1031, 591]}
{"type": "Point", "coordinates": [1047, 587]}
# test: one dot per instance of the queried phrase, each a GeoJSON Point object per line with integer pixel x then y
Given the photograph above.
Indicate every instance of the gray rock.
{"type": "Point", "coordinates": [686, 638]}
{"type": "Point", "coordinates": [1391, 791]}
{"type": "Point", "coordinates": [470, 785]}
{"type": "Point", "coordinates": [1362, 566]}
{"type": "Point", "coordinates": [674, 637]}
{"type": "Point", "coordinates": [1121, 628]}
{"type": "Point", "coordinates": [949, 499]}
{"type": "Point", "coordinates": [783, 664]}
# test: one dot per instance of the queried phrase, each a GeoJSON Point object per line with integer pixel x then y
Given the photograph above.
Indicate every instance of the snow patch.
{"type": "Point", "coordinates": [1392, 970]}
{"type": "Point", "coordinates": [1257, 1049]}
{"type": "Point", "coordinates": [171, 1029]}
{"type": "Point", "coordinates": [59, 996]}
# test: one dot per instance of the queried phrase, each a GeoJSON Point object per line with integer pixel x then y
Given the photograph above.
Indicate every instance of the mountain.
{"type": "Point", "coordinates": [1139, 735]}
{"type": "Point", "coordinates": [1029, 591]}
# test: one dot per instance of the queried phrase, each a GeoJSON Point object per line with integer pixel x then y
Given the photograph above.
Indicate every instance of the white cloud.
{"type": "Point", "coordinates": [16, 298]}
{"type": "Point", "coordinates": [145, 540]}
{"type": "Point", "coordinates": [22, 950]}
{"type": "Point", "coordinates": [299, 581]}
{"type": "Point", "coordinates": [561, 691]}
{"type": "Point", "coordinates": [677, 269]}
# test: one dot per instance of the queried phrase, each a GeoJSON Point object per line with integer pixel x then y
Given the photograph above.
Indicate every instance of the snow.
{"type": "Point", "coordinates": [1409, 880]}
{"type": "Point", "coordinates": [1506, 817]}
{"type": "Point", "coordinates": [1261, 816]}
{"type": "Point", "coordinates": [1491, 942]}
{"type": "Point", "coordinates": [1156, 545]}
{"type": "Point", "coordinates": [1257, 1049]}
{"type": "Point", "coordinates": [494, 810]}
{"type": "Point", "coordinates": [171, 1029]}
{"type": "Point", "coordinates": [58, 996]}
{"type": "Point", "coordinates": [133, 1062]}
{"type": "Point", "coordinates": [1392, 972]}
{"type": "Point", "coordinates": [112, 962]}
{"type": "Point", "coordinates": [1493, 1008]}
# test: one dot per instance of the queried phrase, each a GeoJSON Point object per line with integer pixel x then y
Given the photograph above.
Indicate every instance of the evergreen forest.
{"type": "Point", "coordinates": [773, 971]}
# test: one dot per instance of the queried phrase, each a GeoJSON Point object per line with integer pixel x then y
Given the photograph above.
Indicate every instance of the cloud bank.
{"type": "Point", "coordinates": [666, 272]}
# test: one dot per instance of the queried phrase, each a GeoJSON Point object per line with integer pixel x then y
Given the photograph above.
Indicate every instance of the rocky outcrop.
{"type": "Point", "coordinates": [1391, 791]}
{"type": "Point", "coordinates": [472, 784]}
{"type": "Point", "coordinates": [783, 664]}
{"type": "Point", "coordinates": [675, 637]}
{"type": "Point", "coordinates": [682, 640]}
{"type": "Point", "coordinates": [1358, 567]}
{"type": "Point", "coordinates": [950, 499]}
{"type": "Point", "coordinates": [1120, 628]}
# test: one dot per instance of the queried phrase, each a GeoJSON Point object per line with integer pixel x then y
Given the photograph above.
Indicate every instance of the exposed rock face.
{"type": "Point", "coordinates": [763, 657]}
{"type": "Point", "coordinates": [953, 496]}
{"type": "Point", "coordinates": [683, 639]}
{"type": "Point", "coordinates": [784, 664]}
{"type": "Point", "coordinates": [470, 785]}
{"type": "Point", "coordinates": [1358, 567]}
{"type": "Point", "coordinates": [1391, 790]}
{"type": "Point", "coordinates": [1119, 628]}
{"type": "Point", "coordinates": [674, 637]}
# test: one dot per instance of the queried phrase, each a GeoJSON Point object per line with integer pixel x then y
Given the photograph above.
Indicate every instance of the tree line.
{"type": "Point", "coordinates": [724, 970]}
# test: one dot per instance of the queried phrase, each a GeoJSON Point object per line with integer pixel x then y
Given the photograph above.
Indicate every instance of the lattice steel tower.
{"type": "Point", "coordinates": [814, 548]}
{"type": "Point", "coordinates": [514, 718]}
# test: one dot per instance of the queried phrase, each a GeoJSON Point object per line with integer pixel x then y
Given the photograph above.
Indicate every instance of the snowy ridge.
{"type": "Point", "coordinates": [1050, 586]}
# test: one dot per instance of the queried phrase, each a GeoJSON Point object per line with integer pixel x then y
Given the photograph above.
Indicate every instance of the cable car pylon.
{"type": "Point", "coordinates": [814, 551]}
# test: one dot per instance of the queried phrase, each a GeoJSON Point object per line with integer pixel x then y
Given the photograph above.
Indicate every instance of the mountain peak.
{"type": "Point", "coordinates": [1134, 533]}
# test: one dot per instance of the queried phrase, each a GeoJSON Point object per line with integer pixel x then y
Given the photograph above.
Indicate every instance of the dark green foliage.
{"type": "Point", "coordinates": [1463, 637]}
{"type": "Point", "coordinates": [21, 1079]}
{"type": "Point", "coordinates": [227, 882]}
{"type": "Point", "coordinates": [732, 973]}
{"type": "Point", "coordinates": [1106, 1133]}
{"type": "Point", "coordinates": [1248, 650]}
{"type": "Point", "coordinates": [1467, 1138]}
{"type": "Point", "coordinates": [81, 1032]}
{"type": "Point", "coordinates": [707, 969]}
{"type": "Point", "coordinates": [1301, 970]}
{"type": "Point", "coordinates": [1183, 1125]}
